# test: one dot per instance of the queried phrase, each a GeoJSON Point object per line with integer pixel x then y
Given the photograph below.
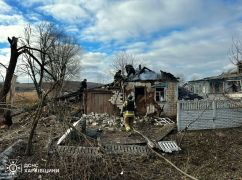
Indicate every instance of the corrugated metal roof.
{"type": "Point", "coordinates": [224, 76]}
{"type": "Point", "coordinates": [145, 74]}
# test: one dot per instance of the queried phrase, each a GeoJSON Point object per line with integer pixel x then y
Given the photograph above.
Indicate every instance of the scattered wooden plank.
{"type": "Point", "coordinates": [75, 124]}
{"type": "Point", "coordinates": [165, 130]}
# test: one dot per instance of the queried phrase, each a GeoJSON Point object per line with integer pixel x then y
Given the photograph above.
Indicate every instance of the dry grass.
{"type": "Point", "coordinates": [26, 98]}
{"type": "Point", "coordinates": [207, 154]}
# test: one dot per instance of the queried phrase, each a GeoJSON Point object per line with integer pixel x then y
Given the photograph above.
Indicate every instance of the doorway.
{"type": "Point", "coordinates": [140, 100]}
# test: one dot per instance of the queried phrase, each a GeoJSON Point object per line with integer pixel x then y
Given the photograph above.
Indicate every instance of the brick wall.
{"type": "Point", "coordinates": [170, 107]}
{"type": "Point", "coordinates": [152, 106]}
{"type": "Point", "coordinates": [208, 114]}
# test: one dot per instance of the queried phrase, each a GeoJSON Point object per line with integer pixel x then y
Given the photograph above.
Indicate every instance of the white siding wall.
{"type": "Point", "coordinates": [208, 114]}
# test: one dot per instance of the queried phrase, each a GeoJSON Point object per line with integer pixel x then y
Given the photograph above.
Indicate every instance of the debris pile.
{"type": "Point", "coordinates": [102, 120]}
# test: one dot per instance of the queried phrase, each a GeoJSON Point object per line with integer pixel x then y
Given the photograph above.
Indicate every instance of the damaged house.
{"type": "Point", "coordinates": [154, 93]}
{"type": "Point", "coordinates": [226, 83]}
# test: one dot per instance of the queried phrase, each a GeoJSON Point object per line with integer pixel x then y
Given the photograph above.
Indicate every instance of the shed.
{"type": "Point", "coordinates": [97, 101]}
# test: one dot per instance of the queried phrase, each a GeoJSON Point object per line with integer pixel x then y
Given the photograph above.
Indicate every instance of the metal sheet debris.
{"type": "Point", "coordinates": [78, 150]}
{"type": "Point", "coordinates": [108, 148]}
{"type": "Point", "coordinates": [162, 121]}
{"type": "Point", "coordinates": [168, 146]}
{"type": "Point", "coordinates": [126, 149]}
{"type": "Point", "coordinates": [68, 131]}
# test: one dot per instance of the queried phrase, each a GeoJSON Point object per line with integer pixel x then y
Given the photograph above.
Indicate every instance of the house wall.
{"type": "Point", "coordinates": [205, 88]}
{"type": "Point", "coordinates": [201, 88]}
{"type": "Point", "coordinates": [207, 114]}
{"type": "Point", "coordinates": [216, 87]}
{"type": "Point", "coordinates": [170, 107]}
{"type": "Point", "coordinates": [151, 106]}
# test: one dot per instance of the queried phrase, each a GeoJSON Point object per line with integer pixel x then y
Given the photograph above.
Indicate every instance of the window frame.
{"type": "Point", "coordinates": [164, 99]}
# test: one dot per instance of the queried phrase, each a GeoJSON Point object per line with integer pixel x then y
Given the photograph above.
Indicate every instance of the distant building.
{"type": "Point", "coordinates": [226, 83]}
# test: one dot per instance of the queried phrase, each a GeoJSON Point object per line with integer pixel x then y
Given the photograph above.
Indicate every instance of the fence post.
{"type": "Point", "coordinates": [178, 116]}
{"type": "Point", "coordinates": [214, 113]}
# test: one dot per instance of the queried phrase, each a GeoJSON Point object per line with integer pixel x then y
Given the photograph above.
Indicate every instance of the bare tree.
{"type": "Point", "coordinates": [10, 69]}
{"type": "Point", "coordinates": [58, 55]}
{"type": "Point", "coordinates": [15, 53]}
{"type": "Point", "coordinates": [64, 64]}
{"type": "Point", "coordinates": [122, 59]}
{"type": "Point", "coordinates": [235, 54]}
{"type": "Point", "coordinates": [1, 73]}
{"type": "Point", "coordinates": [41, 54]}
{"type": "Point", "coordinates": [40, 37]}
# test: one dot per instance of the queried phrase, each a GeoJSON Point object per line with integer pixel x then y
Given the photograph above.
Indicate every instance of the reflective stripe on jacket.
{"type": "Point", "coordinates": [128, 114]}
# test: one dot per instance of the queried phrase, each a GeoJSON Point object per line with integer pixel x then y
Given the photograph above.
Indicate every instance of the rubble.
{"type": "Point", "coordinates": [103, 121]}
{"type": "Point", "coordinates": [5, 160]}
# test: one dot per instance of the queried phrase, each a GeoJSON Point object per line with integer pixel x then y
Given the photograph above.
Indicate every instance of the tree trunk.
{"type": "Point", "coordinates": [9, 75]}
{"type": "Point", "coordinates": [10, 69]}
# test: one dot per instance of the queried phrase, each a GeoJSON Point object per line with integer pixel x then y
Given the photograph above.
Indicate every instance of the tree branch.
{"type": "Point", "coordinates": [41, 65]}
{"type": "Point", "coordinates": [3, 65]}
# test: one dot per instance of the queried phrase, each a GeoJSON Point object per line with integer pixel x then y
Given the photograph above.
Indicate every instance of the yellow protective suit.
{"type": "Point", "coordinates": [128, 117]}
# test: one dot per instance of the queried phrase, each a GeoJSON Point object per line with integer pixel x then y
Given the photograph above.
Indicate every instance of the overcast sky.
{"type": "Point", "coordinates": [192, 37]}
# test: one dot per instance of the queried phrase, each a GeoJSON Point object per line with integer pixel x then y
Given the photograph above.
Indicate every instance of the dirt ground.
{"type": "Point", "coordinates": [207, 154]}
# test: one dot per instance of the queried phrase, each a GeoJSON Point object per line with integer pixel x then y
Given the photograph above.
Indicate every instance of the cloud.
{"type": "Point", "coordinates": [202, 51]}
{"type": "Point", "coordinates": [12, 22]}
{"type": "Point", "coordinates": [124, 20]}
{"type": "Point", "coordinates": [5, 51]}
{"type": "Point", "coordinates": [9, 31]}
{"type": "Point", "coordinates": [65, 12]}
{"type": "Point", "coordinates": [11, 19]}
{"type": "Point", "coordinates": [4, 7]}
{"type": "Point", "coordinates": [121, 20]}
{"type": "Point", "coordinates": [96, 67]}
{"type": "Point", "coordinates": [180, 36]}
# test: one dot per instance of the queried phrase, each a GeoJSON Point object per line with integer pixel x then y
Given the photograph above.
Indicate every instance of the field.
{"type": "Point", "coordinates": [25, 98]}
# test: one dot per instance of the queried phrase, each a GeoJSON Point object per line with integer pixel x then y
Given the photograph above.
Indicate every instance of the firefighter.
{"type": "Point", "coordinates": [83, 87]}
{"type": "Point", "coordinates": [118, 78]}
{"type": "Point", "coordinates": [128, 113]}
{"type": "Point", "coordinates": [130, 70]}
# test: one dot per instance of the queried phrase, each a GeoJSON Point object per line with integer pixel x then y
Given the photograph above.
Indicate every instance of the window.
{"type": "Point", "coordinates": [234, 86]}
{"type": "Point", "coordinates": [160, 94]}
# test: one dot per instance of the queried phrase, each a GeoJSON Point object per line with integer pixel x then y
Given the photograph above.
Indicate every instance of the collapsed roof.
{"type": "Point", "coordinates": [185, 94]}
{"type": "Point", "coordinates": [145, 74]}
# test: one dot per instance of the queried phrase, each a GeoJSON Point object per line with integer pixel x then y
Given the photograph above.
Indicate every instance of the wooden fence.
{"type": "Point", "coordinates": [97, 101]}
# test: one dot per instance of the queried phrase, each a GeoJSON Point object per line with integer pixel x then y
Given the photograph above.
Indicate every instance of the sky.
{"type": "Point", "coordinates": [190, 37]}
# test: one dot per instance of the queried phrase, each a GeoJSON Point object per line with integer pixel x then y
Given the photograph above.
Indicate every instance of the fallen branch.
{"type": "Point", "coordinates": [151, 146]}
{"type": "Point", "coordinates": [75, 128]}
